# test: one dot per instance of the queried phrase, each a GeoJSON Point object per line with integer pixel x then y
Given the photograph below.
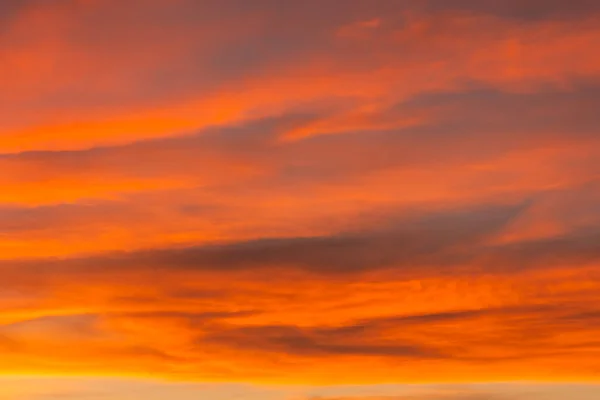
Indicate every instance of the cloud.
{"type": "Point", "coordinates": [439, 289]}
{"type": "Point", "coordinates": [430, 244]}
{"type": "Point", "coordinates": [289, 340]}
{"type": "Point", "coordinates": [528, 11]}
{"type": "Point", "coordinates": [200, 187]}
{"type": "Point", "coordinates": [153, 88]}
{"type": "Point", "coordinates": [420, 241]}
{"type": "Point", "coordinates": [317, 191]}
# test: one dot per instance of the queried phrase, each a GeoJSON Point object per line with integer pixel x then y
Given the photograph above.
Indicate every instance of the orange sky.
{"type": "Point", "coordinates": [310, 192]}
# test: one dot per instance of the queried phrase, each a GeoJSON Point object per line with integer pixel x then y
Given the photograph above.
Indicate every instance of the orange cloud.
{"type": "Point", "coordinates": [413, 304]}
{"type": "Point", "coordinates": [125, 98]}
{"type": "Point", "coordinates": [311, 192]}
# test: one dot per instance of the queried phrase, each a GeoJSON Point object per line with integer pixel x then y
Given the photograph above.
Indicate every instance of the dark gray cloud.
{"type": "Point", "coordinates": [453, 242]}
{"type": "Point", "coordinates": [526, 10]}
{"type": "Point", "coordinates": [522, 331]}
{"type": "Point", "coordinates": [430, 240]}
{"type": "Point", "coordinates": [525, 330]}
{"type": "Point", "coordinates": [10, 9]}
{"type": "Point", "coordinates": [568, 250]}
{"type": "Point", "coordinates": [292, 340]}
{"type": "Point", "coordinates": [545, 112]}
{"type": "Point", "coordinates": [552, 317]}
{"type": "Point", "coordinates": [336, 10]}
{"type": "Point", "coordinates": [438, 243]}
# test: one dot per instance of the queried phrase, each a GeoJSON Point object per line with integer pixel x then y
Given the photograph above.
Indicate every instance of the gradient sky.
{"type": "Point", "coordinates": [300, 200]}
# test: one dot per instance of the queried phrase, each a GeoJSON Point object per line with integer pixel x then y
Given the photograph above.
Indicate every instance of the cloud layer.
{"type": "Point", "coordinates": [318, 191]}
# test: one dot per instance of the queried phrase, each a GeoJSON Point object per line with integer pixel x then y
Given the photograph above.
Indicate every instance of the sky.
{"type": "Point", "coordinates": [299, 200]}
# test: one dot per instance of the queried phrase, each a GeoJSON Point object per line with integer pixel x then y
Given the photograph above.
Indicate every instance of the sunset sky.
{"type": "Point", "coordinates": [300, 199]}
